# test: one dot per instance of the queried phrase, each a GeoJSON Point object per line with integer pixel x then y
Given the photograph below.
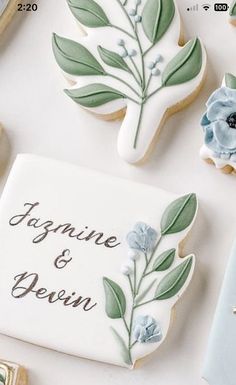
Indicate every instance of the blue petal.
{"type": "Point", "coordinates": [223, 94]}
{"type": "Point", "coordinates": [209, 135]}
{"type": "Point", "coordinates": [205, 121]}
{"type": "Point", "coordinates": [220, 110]}
{"type": "Point", "coordinates": [225, 135]}
{"type": "Point", "coordinates": [133, 240]}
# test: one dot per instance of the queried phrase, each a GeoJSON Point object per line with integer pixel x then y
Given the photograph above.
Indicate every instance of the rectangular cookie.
{"type": "Point", "coordinates": [90, 263]}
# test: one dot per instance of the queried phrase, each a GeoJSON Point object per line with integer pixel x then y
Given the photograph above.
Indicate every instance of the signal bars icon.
{"type": "Point", "coordinates": [195, 7]}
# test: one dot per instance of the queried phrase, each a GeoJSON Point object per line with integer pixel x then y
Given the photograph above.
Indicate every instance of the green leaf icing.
{"type": "Point", "coordinates": [179, 214]}
{"type": "Point", "coordinates": [74, 58]}
{"type": "Point", "coordinates": [164, 261]}
{"type": "Point", "coordinates": [88, 13]}
{"type": "Point", "coordinates": [113, 59]}
{"type": "Point", "coordinates": [185, 66]}
{"type": "Point", "coordinates": [230, 81]}
{"type": "Point", "coordinates": [115, 299]}
{"type": "Point", "coordinates": [94, 95]}
{"type": "Point", "coordinates": [232, 10]}
{"type": "Point", "coordinates": [157, 17]}
{"type": "Point", "coordinates": [171, 284]}
{"type": "Point", "coordinates": [125, 354]}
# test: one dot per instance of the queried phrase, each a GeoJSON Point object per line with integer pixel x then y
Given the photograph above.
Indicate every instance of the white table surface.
{"type": "Point", "coordinates": [40, 119]}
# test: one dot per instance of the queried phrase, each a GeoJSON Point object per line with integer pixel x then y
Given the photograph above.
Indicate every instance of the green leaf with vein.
{"type": "Point", "coordinates": [173, 282]}
{"type": "Point", "coordinates": [232, 10]}
{"type": "Point", "coordinates": [88, 13]}
{"type": "Point", "coordinates": [94, 95]}
{"type": "Point", "coordinates": [124, 351]}
{"type": "Point", "coordinates": [164, 261]}
{"type": "Point", "coordinates": [113, 59]}
{"type": "Point", "coordinates": [156, 18]}
{"type": "Point", "coordinates": [185, 66]}
{"type": "Point", "coordinates": [179, 214]}
{"type": "Point", "coordinates": [140, 297]}
{"type": "Point", "coordinates": [230, 81]}
{"type": "Point", "coordinates": [2, 379]}
{"type": "Point", "coordinates": [74, 58]}
{"type": "Point", "coordinates": [115, 299]}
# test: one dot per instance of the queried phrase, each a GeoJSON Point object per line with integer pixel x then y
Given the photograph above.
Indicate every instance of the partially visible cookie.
{"type": "Point", "coordinates": [12, 374]}
{"type": "Point", "coordinates": [7, 10]}
{"type": "Point", "coordinates": [232, 13]}
{"type": "Point", "coordinates": [219, 126]}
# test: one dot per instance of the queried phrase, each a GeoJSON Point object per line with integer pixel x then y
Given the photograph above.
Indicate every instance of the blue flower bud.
{"type": "Point", "coordinates": [137, 2]}
{"type": "Point", "coordinates": [132, 52]}
{"type": "Point", "coordinates": [147, 330]}
{"type": "Point", "coordinates": [158, 58]}
{"type": "Point", "coordinates": [155, 72]}
{"type": "Point", "coordinates": [120, 42]}
{"type": "Point", "coordinates": [137, 19]}
{"type": "Point", "coordinates": [151, 65]}
{"type": "Point", "coordinates": [132, 12]}
{"type": "Point", "coordinates": [142, 238]}
{"type": "Point", "coordinates": [123, 53]}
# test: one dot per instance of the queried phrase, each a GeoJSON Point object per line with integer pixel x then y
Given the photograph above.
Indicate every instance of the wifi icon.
{"type": "Point", "coordinates": [206, 6]}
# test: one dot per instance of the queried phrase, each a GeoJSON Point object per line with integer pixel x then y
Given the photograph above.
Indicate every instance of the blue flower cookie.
{"type": "Point", "coordinates": [219, 127]}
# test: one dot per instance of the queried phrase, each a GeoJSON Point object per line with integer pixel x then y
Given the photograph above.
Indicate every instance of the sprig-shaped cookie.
{"type": "Point", "coordinates": [131, 60]}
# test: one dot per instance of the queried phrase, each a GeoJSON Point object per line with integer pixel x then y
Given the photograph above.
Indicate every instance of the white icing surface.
{"type": "Point", "coordinates": [81, 197]}
{"type": "Point", "coordinates": [3, 5]}
{"type": "Point", "coordinates": [157, 106]}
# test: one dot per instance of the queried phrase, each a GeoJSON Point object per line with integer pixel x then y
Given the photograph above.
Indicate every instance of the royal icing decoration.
{"type": "Point", "coordinates": [130, 59]}
{"type": "Point", "coordinates": [96, 255]}
{"type": "Point", "coordinates": [219, 367]}
{"type": "Point", "coordinates": [232, 13]}
{"type": "Point", "coordinates": [219, 126]}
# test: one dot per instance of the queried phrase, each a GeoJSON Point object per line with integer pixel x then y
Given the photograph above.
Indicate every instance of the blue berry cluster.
{"type": "Point", "coordinates": [124, 52]}
{"type": "Point", "coordinates": [133, 12]}
{"type": "Point", "coordinates": [152, 65]}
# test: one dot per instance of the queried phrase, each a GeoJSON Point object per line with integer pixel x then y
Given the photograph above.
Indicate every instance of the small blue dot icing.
{"type": "Point", "coordinates": [219, 123]}
{"type": "Point", "coordinates": [219, 367]}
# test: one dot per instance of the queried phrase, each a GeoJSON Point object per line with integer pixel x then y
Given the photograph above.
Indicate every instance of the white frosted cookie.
{"type": "Point", "coordinates": [7, 10]}
{"type": "Point", "coordinates": [232, 13]}
{"type": "Point", "coordinates": [131, 63]}
{"type": "Point", "coordinates": [219, 126]}
{"type": "Point", "coordinates": [90, 263]}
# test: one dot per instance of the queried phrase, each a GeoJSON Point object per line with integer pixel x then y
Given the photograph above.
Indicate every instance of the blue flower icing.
{"type": "Point", "coordinates": [218, 123]}
{"type": "Point", "coordinates": [147, 330]}
{"type": "Point", "coordinates": [142, 238]}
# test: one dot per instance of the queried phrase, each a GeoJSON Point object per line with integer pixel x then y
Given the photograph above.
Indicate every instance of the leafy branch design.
{"type": "Point", "coordinates": [143, 242]}
{"type": "Point", "coordinates": [149, 17]}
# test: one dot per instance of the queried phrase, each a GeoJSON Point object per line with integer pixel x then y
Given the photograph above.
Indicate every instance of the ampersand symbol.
{"type": "Point", "coordinates": [62, 260]}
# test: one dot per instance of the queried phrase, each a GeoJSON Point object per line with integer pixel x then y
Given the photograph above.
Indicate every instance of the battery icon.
{"type": "Point", "coordinates": [221, 7]}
